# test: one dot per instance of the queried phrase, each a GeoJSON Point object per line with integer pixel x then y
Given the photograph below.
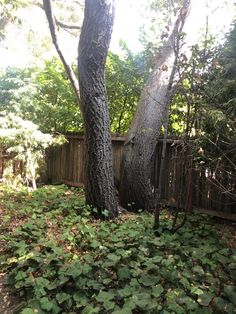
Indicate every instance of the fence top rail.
{"type": "Point", "coordinates": [122, 138]}
{"type": "Point", "coordinates": [80, 136]}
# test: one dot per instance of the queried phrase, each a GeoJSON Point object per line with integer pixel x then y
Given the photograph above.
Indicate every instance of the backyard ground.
{"type": "Point", "coordinates": [55, 258]}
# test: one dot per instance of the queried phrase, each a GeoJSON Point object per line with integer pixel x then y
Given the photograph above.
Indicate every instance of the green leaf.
{"type": "Point", "coordinates": [123, 273]}
{"type": "Point", "coordinates": [113, 258]}
{"type": "Point", "coordinates": [232, 273]}
{"type": "Point", "coordinates": [221, 258]}
{"type": "Point", "coordinates": [223, 306]}
{"type": "Point", "coordinates": [204, 310]}
{"type": "Point", "coordinates": [185, 282]}
{"type": "Point", "coordinates": [55, 309]}
{"type": "Point", "coordinates": [230, 292]}
{"type": "Point", "coordinates": [34, 305]}
{"type": "Point", "coordinates": [106, 281]}
{"type": "Point", "coordinates": [190, 303]}
{"type": "Point", "coordinates": [157, 291]}
{"type": "Point", "coordinates": [90, 310]}
{"type": "Point", "coordinates": [104, 296]}
{"type": "Point", "coordinates": [224, 251]}
{"type": "Point", "coordinates": [123, 311]}
{"type": "Point", "coordinates": [142, 299]}
{"type": "Point", "coordinates": [198, 253]}
{"type": "Point", "coordinates": [28, 311]}
{"type": "Point", "coordinates": [46, 304]}
{"type": "Point", "coordinates": [95, 244]}
{"type": "Point", "coordinates": [126, 291]}
{"type": "Point", "coordinates": [105, 213]}
{"type": "Point", "coordinates": [21, 275]}
{"type": "Point", "coordinates": [176, 308]}
{"type": "Point", "coordinates": [232, 266]}
{"type": "Point", "coordinates": [94, 284]}
{"type": "Point", "coordinates": [197, 291]}
{"type": "Point", "coordinates": [157, 259]}
{"type": "Point", "coordinates": [198, 270]}
{"type": "Point", "coordinates": [62, 297]}
{"type": "Point", "coordinates": [204, 299]}
{"type": "Point", "coordinates": [148, 280]}
{"type": "Point", "coordinates": [158, 242]}
{"type": "Point", "coordinates": [80, 299]}
{"type": "Point", "coordinates": [74, 271]}
{"type": "Point", "coordinates": [109, 305]}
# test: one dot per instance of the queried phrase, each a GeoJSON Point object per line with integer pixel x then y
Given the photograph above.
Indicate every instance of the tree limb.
{"type": "Point", "coordinates": [66, 26]}
{"type": "Point", "coordinates": [47, 6]}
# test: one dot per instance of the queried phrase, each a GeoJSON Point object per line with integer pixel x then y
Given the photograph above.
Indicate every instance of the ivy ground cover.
{"type": "Point", "coordinates": [60, 260]}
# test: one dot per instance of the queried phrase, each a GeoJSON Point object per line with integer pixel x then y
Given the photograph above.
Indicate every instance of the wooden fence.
{"type": "Point", "coordinates": [66, 163]}
{"type": "Point", "coordinates": [204, 189]}
{"type": "Point", "coordinates": [214, 192]}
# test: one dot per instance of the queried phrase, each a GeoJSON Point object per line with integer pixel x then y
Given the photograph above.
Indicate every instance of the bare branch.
{"type": "Point", "coordinates": [66, 26]}
{"type": "Point", "coordinates": [36, 3]}
{"type": "Point", "coordinates": [80, 4]}
{"type": "Point", "coordinates": [47, 5]}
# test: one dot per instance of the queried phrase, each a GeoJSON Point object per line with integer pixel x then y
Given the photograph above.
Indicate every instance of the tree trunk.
{"type": "Point", "coordinates": [93, 47]}
{"type": "Point", "coordinates": [30, 167]}
{"type": "Point", "coordinates": [136, 186]}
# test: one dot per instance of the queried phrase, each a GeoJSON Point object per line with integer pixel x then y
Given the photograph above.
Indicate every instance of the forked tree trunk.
{"type": "Point", "coordinates": [136, 186]}
{"type": "Point", "coordinates": [93, 47]}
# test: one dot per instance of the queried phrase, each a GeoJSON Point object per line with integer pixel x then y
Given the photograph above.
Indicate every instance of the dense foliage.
{"type": "Point", "coordinates": [23, 141]}
{"type": "Point", "coordinates": [62, 261]}
{"type": "Point", "coordinates": [56, 97]}
{"type": "Point", "coordinates": [219, 115]}
{"type": "Point", "coordinates": [125, 80]}
{"type": "Point", "coordinates": [17, 91]}
{"type": "Point", "coordinates": [45, 97]}
{"type": "Point", "coordinates": [203, 102]}
{"type": "Point", "coordinates": [203, 109]}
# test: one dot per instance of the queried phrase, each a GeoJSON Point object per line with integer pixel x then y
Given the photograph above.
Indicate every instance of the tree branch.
{"type": "Point", "coordinates": [47, 6]}
{"type": "Point", "coordinates": [66, 26]}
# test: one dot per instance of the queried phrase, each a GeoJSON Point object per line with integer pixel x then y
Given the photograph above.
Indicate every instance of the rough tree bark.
{"type": "Point", "coordinates": [136, 186]}
{"type": "Point", "coordinates": [93, 47]}
{"type": "Point", "coordinates": [92, 99]}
